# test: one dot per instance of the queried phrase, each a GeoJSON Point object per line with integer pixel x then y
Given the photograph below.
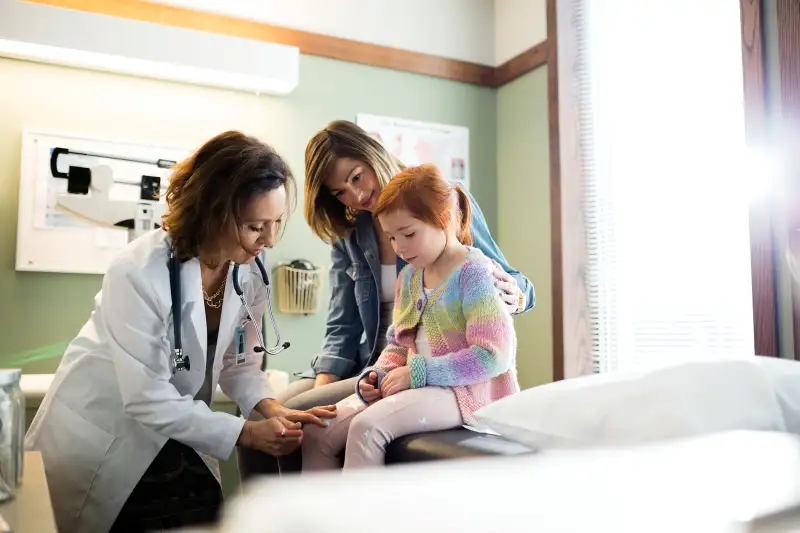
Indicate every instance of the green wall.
{"type": "Point", "coordinates": [524, 213]}
{"type": "Point", "coordinates": [43, 311]}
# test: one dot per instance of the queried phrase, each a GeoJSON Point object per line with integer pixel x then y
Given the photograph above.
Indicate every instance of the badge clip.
{"type": "Point", "coordinates": [241, 342]}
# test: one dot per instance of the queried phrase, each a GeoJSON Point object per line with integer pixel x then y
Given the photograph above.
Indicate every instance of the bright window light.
{"type": "Point", "coordinates": [667, 201]}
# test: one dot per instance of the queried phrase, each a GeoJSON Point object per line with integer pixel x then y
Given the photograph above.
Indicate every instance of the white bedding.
{"type": "Point", "coordinates": [648, 405]}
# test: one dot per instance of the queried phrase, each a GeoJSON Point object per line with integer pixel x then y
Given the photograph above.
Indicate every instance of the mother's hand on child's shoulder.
{"type": "Point", "coordinates": [509, 290]}
{"type": "Point", "coordinates": [396, 380]}
{"type": "Point", "coordinates": [367, 388]}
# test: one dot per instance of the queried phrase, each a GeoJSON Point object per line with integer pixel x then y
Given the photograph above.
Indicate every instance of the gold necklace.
{"type": "Point", "coordinates": [215, 300]}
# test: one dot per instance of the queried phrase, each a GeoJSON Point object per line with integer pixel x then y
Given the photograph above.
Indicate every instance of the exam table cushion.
{"type": "Point", "coordinates": [675, 400]}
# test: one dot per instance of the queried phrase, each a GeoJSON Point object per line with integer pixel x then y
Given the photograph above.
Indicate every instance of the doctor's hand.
{"type": "Point", "coordinates": [316, 415]}
{"type": "Point", "coordinates": [274, 436]}
{"type": "Point", "coordinates": [395, 381]}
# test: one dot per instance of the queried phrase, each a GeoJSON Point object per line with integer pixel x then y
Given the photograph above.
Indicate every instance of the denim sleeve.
{"type": "Point", "coordinates": [482, 239]}
{"type": "Point", "coordinates": [344, 328]}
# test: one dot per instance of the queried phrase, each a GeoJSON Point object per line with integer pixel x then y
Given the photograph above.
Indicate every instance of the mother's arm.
{"type": "Point", "coordinates": [482, 239]}
{"type": "Point", "coordinates": [344, 328]}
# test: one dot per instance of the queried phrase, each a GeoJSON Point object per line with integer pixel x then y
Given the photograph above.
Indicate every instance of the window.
{"type": "Point", "coordinates": [664, 177]}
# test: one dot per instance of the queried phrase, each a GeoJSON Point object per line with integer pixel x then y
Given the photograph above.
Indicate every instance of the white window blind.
{"type": "Point", "coordinates": [665, 198]}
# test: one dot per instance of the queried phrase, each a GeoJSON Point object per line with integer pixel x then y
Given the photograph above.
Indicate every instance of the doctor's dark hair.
{"type": "Point", "coordinates": [210, 189]}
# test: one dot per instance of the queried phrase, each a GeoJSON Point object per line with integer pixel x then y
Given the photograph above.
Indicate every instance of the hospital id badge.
{"type": "Point", "coordinates": [241, 342]}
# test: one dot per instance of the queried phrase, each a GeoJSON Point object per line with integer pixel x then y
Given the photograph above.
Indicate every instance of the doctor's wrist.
{"type": "Point", "coordinates": [246, 435]}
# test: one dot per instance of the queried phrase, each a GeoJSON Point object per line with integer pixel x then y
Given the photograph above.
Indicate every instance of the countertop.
{"type": "Point", "coordinates": [35, 386]}
{"type": "Point", "coordinates": [30, 511]}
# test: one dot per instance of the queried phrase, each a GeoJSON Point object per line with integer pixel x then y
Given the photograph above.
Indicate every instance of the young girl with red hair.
{"type": "Point", "coordinates": [451, 348]}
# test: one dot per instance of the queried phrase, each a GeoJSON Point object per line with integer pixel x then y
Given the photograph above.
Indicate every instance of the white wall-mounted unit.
{"type": "Point", "coordinates": [80, 39]}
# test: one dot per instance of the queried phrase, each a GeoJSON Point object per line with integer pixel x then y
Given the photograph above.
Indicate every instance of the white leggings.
{"type": "Point", "coordinates": [364, 432]}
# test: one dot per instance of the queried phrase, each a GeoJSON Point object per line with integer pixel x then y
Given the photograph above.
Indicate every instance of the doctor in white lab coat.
{"type": "Point", "coordinates": [127, 444]}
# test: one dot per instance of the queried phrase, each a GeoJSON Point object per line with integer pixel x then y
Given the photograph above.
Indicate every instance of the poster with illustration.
{"type": "Point", "coordinates": [415, 142]}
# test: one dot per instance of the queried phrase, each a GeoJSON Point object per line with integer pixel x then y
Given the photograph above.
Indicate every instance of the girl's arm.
{"type": "Point", "coordinates": [489, 331]}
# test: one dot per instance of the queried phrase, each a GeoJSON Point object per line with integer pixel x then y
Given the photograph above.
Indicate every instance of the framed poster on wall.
{"type": "Point", "coordinates": [415, 142]}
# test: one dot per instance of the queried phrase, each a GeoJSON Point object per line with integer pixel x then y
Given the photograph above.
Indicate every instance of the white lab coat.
{"type": "Point", "coordinates": [114, 401]}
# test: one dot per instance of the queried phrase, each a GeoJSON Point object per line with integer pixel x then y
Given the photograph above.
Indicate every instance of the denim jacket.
{"type": "Point", "coordinates": [354, 308]}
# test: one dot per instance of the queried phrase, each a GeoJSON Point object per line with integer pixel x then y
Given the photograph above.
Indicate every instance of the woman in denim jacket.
{"type": "Point", "coordinates": [346, 169]}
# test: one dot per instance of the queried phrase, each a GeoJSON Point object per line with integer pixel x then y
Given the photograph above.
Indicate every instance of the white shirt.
{"type": "Point", "coordinates": [388, 282]}
{"type": "Point", "coordinates": [423, 346]}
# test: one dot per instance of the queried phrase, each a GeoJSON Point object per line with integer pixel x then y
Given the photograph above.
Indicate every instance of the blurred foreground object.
{"type": "Point", "coordinates": [709, 484]}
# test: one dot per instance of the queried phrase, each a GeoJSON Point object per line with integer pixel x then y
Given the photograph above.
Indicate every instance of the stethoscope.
{"type": "Point", "coordinates": [179, 361]}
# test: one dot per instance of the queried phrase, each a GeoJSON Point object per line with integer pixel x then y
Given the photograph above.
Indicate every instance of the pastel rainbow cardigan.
{"type": "Point", "coordinates": [471, 335]}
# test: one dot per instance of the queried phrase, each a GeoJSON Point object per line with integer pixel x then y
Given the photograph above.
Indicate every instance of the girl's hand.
{"type": "Point", "coordinates": [509, 290]}
{"type": "Point", "coordinates": [395, 381]}
{"type": "Point", "coordinates": [367, 388]}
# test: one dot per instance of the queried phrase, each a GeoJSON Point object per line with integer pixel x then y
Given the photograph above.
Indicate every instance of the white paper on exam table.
{"type": "Point", "coordinates": [481, 429]}
{"type": "Point", "coordinates": [709, 484]}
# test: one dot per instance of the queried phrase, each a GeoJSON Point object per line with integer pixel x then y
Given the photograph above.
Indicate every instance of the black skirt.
{"type": "Point", "coordinates": [177, 490]}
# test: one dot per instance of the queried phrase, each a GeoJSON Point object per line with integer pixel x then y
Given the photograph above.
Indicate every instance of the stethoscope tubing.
{"type": "Point", "coordinates": [181, 362]}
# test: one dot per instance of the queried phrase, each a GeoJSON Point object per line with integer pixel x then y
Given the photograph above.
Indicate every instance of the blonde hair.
{"type": "Point", "coordinates": [327, 217]}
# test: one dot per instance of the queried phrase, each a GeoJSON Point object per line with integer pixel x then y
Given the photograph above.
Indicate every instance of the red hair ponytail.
{"type": "Point", "coordinates": [465, 216]}
{"type": "Point", "coordinates": [427, 196]}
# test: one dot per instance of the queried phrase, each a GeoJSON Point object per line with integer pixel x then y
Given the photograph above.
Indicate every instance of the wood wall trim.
{"type": "Point", "coordinates": [762, 243]}
{"type": "Point", "coordinates": [314, 43]}
{"type": "Point", "coordinates": [529, 60]}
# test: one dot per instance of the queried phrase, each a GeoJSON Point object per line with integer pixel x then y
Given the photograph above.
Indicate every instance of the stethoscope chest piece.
{"type": "Point", "coordinates": [178, 361]}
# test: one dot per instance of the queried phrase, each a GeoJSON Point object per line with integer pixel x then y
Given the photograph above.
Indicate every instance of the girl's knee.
{"type": "Point", "coordinates": [313, 435]}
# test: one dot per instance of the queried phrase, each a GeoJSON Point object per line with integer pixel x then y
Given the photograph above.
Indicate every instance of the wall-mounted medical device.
{"type": "Point", "coordinates": [89, 192]}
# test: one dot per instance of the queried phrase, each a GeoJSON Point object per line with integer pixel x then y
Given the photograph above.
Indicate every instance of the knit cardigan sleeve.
{"type": "Point", "coordinates": [489, 334]}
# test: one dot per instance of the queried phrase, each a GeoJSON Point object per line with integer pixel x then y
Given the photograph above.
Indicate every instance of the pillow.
{"type": "Point", "coordinates": [650, 404]}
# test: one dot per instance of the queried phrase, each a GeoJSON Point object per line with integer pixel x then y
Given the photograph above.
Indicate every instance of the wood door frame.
{"type": "Point", "coordinates": [788, 62]}
{"type": "Point", "coordinates": [571, 329]}
{"type": "Point", "coordinates": [762, 219]}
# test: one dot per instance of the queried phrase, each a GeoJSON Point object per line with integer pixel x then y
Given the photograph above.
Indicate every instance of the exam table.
{"type": "Point", "coordinates": [460, 443]}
